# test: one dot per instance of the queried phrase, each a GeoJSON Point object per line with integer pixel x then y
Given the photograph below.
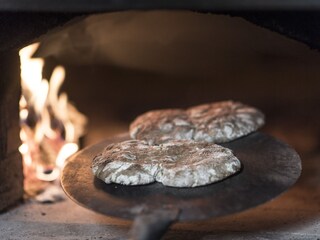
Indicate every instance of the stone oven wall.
{"type": "Point", "coordinates": [11, 176]}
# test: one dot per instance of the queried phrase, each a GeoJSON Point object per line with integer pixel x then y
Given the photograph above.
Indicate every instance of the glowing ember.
{"type": "Point", "coordinates": [50, 125]}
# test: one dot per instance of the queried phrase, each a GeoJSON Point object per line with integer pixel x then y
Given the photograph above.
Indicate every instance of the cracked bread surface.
{"type": "Point", "coordinates": [218, 122]}
{"type": "Point", "coordinates": [178, 163]}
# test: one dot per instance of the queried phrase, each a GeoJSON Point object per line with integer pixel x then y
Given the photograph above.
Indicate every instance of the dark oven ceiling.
{"type": "Point", "coordinates": [115, 5]}
{"type": "Point", "coordinates": [22, 21]}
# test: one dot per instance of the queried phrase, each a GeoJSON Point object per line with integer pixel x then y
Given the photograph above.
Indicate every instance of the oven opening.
{"type": "Point", "coordinates": [88, 80]}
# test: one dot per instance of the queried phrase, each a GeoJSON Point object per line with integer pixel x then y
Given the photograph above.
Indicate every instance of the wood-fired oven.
{"type": "Point", "coordinates": [124, 58]}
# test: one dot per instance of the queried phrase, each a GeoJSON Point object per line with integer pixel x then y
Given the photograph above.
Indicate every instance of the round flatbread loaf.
{"type": "Point", "coordinates": [214, 123]}
{"type": "Point", "coordinates": [178, 163]}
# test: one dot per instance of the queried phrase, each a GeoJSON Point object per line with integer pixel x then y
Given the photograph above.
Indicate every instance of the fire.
{"type": "Point", "coordinates": [50, 125]}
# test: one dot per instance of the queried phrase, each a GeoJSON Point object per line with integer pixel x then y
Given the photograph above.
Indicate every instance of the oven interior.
{"type": "Point", "coordinates": [167, 59]}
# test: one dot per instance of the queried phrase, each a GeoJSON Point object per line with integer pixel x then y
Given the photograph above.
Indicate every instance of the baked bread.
{"type": "Point", "coordinates": [178, 163]}
{"type": "Point", "coordinates": [214, 123]}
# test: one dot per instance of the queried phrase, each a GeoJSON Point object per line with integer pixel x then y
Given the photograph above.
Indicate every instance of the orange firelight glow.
{"type": "Point", "coordinates": [50, 125]}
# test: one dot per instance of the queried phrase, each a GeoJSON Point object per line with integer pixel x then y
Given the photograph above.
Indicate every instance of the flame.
{"type": "Point", "coordinates": [66, 151]}
{"type": "Point", "coordinates": [50, 125]}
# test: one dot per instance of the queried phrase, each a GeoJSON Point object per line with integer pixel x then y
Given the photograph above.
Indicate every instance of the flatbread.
{"type": "Point", "coordinates": [214, 123]}
{"type": "Point", "coordinates": [178, 163]}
